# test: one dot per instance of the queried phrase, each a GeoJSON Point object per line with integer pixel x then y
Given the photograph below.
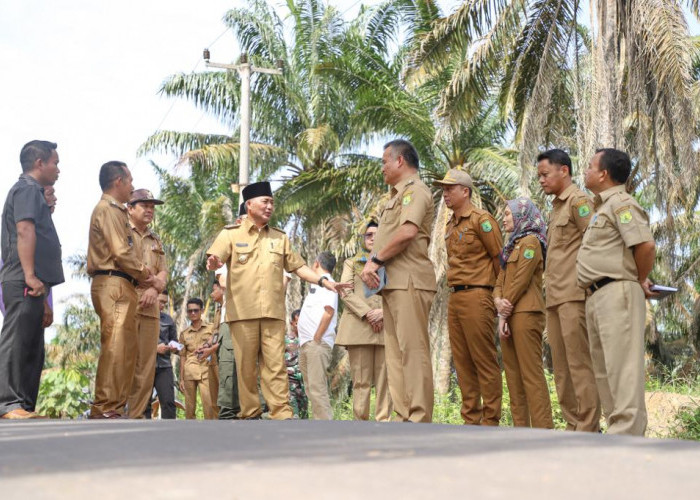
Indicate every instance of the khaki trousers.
{"type": "Point", "coordinates": [471, 316]}
{"type": "Point", "coordinates": [368, 367]}
{"type": "Point", "coordinates": [314, 361]}
{"type": "Point", "coordinates": [407, 351]}
{"type": "Point", "coordinates": [573, 369]}
{"type": "Point", "coordinates": [147, 329]}
{"type": "Point", "coordinates": [261, 342]}
{"type": "Point", "coordinates": [115, 302]}
{"type": "Point", "coordinates": [205, 386]}
{"type": "Point", "coordinates": [615, 316]}
{"type": "Point", "coordinates": [522, 359]}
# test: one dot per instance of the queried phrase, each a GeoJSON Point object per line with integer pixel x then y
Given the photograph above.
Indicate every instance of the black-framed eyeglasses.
{"type": "Point", "coordinates": [190, 311]}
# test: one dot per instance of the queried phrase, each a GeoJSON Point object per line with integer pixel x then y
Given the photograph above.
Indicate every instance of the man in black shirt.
{"type": "Point", "coordinates": [164, 382]}
{"type": "Point", "coordinates": [31, 253]}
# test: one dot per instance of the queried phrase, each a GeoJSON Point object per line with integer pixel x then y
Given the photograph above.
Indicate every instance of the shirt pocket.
{"type": "Point", "coordinates": [560, 232]}
{"type": "Point", "coordinates": [391, 211]}
{"type": "Point", "coordinates": [514, 255]}
{"type": "Point", "coordinates": [276, 250]}
{"type": "Point", "coordinates": [463, 243]}
{"type": "Point", "coordinates": [243, 256]}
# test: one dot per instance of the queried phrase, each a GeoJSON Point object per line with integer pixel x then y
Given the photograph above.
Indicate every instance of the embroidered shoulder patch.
{"type": "Point", "coordinates": [529, 253]}
{"type": "Point", "coordinates": [407, 198]}
{"type": "Point", "coordinates": [584, 210]}
{"type": "Point", "coordinates": [625, 216]}
{"type": "Point", "coordinates": [486, 226]}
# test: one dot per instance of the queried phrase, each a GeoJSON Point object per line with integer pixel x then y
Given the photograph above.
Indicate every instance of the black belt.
{"type": "Point", "coordinates": [460, 288]}
{"type": "Point", "coordinates": [599, 284]}
{"type": "Point", "coordinates": [119, 274]}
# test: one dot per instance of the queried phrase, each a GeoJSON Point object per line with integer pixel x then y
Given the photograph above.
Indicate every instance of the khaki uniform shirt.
{"type": "Point", "coordinates": [353, 330]}
{"type": "Point", "coordinates": [472, 242]}
{"type": "Point", "coordinates": [196, 369]}
{"type": "Point", "coordinates": [569, 219]}
{"type": "Point", "coordinates": [256, 259]}
{"type": "Point", "coordinates": [618, 224]}
{"type": "Point", "coordinates": [153, 256]}
{"type": "Point", "coordinates": [410, 201]}
{"type": "Point", "coordinates": [521, 280]}
{"type": "Point", "coordinates": [112, 246]}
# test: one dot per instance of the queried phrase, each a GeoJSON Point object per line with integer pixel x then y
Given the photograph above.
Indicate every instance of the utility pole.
{"type": "Point", "coordinates": [245, 70]}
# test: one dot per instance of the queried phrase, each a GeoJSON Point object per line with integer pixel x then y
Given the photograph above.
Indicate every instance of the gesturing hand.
{"type": "Point", "coordinates": [214, 263]}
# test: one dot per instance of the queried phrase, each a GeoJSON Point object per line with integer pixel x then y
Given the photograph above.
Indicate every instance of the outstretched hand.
{"type": "Point", "coordinates": [214, 263]}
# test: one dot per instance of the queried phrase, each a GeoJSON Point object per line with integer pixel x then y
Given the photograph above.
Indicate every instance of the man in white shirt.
{"type": "Point", "coordinates": [317, 322]}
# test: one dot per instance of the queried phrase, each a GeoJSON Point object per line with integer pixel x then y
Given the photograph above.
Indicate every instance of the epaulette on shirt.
{"type": "Point", "coordinates": [278, 229]}
{"type": "Point", "coordinates": [118, 205]}
{"type": "Point", "coordinates": [232, 226]}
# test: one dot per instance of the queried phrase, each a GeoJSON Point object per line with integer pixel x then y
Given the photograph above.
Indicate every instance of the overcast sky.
{"type": "Point", "coordinates": [85, 74]}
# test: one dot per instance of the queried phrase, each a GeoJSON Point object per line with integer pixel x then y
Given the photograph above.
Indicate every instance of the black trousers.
{"type": "Point", "coordinates": [166, 392]}
{"type": "Point", "coordinates": [21, 348]}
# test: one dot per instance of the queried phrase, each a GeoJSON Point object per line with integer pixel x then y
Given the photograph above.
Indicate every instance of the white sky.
{"type": "Point", "coordinates": [85, 74]}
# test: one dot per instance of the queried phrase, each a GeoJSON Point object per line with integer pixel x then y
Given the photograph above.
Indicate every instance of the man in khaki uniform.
{"type": "Point", "coordinates": [114, 261]}
{"type": "Point", "coordinates": [474, 241]}
{"type": "Point", "coordinates": [256, 255]}
{"type": "Point", "coordinates": [566, 301]}
{"type": "Point", "coordinates": [141, 211]}
{"type": "Point", "coordinates": [197, 358]}
{"type": "Point", "coordinates": [616, 255]}
{"type": "Point", "coordinates": [361, 331]}
{"type": "Point", "coordinates": [402, 246]}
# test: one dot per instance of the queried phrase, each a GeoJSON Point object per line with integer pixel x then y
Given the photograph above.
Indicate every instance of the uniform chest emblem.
{"type": "Point", "coordinates": [243, 258]}
{"type": "Point", "coordinates": [529, 253]}
{"type": "Point", "coordinates": [407, 198]}
{"type": "Point", "coordinates": [625, 217]}
{"type": "Point", "coordinates": [584, 211]}
{"type": "Point", "coordinates": [486, 226]}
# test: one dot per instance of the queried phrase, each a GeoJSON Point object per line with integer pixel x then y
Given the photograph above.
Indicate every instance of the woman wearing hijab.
{"type": "Point", "coordinates": [521, 319]}
{"type": "Point", "coordinates": [361, 331]}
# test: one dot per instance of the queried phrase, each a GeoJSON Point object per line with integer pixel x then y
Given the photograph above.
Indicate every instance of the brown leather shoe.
{"type": "Point", "coordinates": [20, 414]}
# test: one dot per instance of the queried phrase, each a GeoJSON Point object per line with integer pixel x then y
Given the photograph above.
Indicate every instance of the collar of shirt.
{"type": "Point", "coordinates": [603, 196]}
{"type": "Point", "coordinates": [249, 225]}
{"type": "Point", "coordinates": [134, 228]}
{"type": "Point", "coordinates": [401, 186]}
{"type": "Point", "coordinates": [201, 325]}
{"type": "Point", "coordinates": [566, 193]}
{"type": "Point", "coordinates": [114, 202]}
{"type": "Point", "coordinates": [31, 180]}
{"type": "Point", "coordinates": [455, 220]}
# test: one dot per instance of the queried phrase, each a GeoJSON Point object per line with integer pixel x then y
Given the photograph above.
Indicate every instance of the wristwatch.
{"type": "Point", "coordinates": [376, 260]}
{"type": "Point", "coordinates": [320, 280]}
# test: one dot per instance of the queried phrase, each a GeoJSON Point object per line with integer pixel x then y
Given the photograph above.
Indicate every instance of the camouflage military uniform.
{"type": "Point", "coordinates": [297, 395]}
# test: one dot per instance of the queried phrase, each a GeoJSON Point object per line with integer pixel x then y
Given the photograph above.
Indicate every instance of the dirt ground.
{"type": "Point", "coordinates": [662, 408]}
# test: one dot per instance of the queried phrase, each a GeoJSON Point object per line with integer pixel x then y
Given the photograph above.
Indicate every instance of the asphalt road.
{"type": "Point", "coordinates": [335, 460]}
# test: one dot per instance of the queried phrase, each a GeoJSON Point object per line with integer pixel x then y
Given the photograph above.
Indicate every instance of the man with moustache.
{"type": "Point", "coordinates": [141, 211]}
{"type": "Point", "coordinates": [256, 255]}
{"type": "Point", "coordinates": [566, 301]}
{"type": "Point", "coordinates": [616, 256]}
{"type": "Point", "coordinates": [31, 254]}
{"type": "Point", "coordinates": [401, 246]}
{"type": "Point", "coordinates": [473, 242]}
{"type": "Point", "coordinates": [114, 261]}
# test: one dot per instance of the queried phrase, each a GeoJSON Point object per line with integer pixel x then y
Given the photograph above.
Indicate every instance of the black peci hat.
{"type": "Point", "coordinates": [256, 189]}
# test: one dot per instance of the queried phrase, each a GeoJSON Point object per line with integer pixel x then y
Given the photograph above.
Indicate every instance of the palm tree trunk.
{"type": "Point", "coordinates": [189, 283]}
{"type": "Point", "coordinates": [607, 70]}
{"type": "Point", "coordinates": [439, 335]}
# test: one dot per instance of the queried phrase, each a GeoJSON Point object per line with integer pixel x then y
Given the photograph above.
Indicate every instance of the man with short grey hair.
{"type": "Point", "coordinates": [317, 321]}
{"type": "Point", "coordinates": [31, 253]}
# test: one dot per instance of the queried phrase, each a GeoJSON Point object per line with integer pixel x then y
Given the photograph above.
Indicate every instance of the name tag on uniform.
{"type": "Point", "coordinates": [241, 244]}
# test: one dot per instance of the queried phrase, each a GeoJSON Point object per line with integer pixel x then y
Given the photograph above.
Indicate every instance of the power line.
{"type": "Point", "coordinates": [194, 68]}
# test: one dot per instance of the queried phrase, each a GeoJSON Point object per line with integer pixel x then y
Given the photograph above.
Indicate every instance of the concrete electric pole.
{"type": "Point", "coordinates": [245, 70]}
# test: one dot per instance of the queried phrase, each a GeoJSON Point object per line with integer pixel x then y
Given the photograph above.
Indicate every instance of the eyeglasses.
{"type": "Point", "coordinates": [370, 235]}
{"type": "Point", "coordinates": [191, 311]}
